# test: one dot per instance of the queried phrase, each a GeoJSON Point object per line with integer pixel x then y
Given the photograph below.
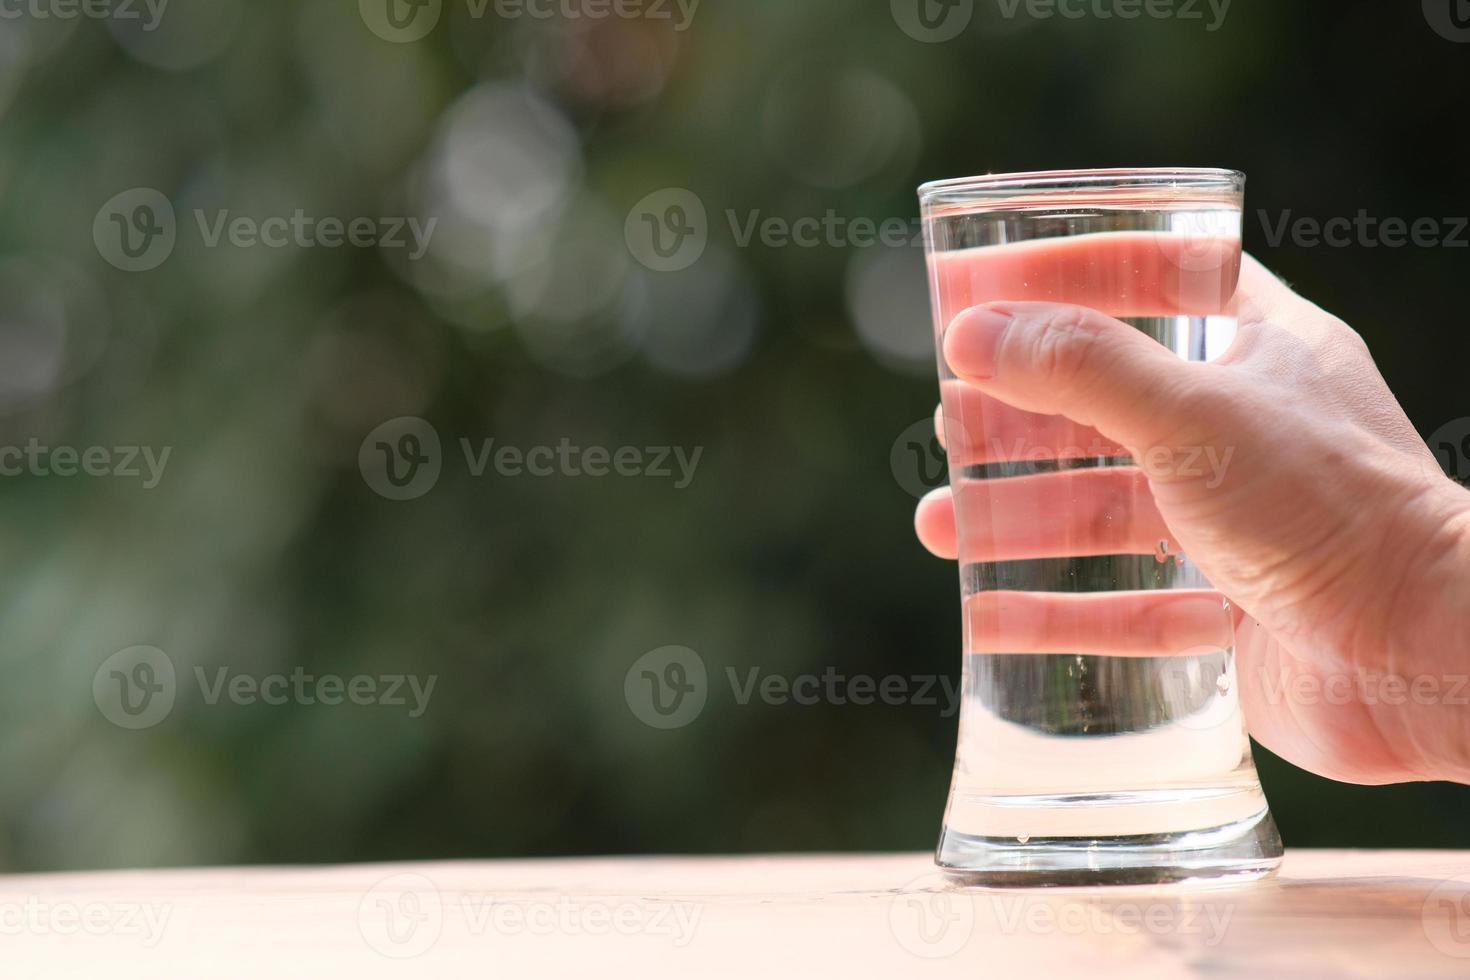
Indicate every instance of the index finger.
{"type": "Point", "coordinates": [1121, 274]}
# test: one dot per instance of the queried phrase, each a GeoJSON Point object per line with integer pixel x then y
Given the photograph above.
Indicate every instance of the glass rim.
{"type": "Point", "coordinates": [1043, 182]}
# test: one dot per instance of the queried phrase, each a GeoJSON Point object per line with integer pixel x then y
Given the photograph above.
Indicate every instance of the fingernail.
{"type": "Point", "coordinates": [971, 342]}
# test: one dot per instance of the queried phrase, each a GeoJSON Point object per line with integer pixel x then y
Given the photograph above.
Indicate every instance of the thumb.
{"type": "Point", "coordinates": [1055, 359]}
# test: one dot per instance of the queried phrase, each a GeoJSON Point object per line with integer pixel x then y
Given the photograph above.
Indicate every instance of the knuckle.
{"type": "Point", "coordinates": [1355, 341]}
{"type": "Point", "coordinates": [1337, 333]}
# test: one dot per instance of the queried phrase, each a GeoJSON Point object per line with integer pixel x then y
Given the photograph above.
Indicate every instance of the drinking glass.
{"type": "Point", "coordinates": [1100, 739]}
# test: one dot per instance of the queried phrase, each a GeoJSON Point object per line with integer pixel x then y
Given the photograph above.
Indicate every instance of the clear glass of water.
{"type": "Point", "coordinates": [1101, 739]}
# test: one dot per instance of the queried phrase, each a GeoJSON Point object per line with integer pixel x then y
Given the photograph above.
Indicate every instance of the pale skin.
{"type": "Point", "coordinates": [1342, 547]}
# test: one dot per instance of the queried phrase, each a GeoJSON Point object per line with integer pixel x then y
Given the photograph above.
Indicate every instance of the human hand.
{"type": "Point", "coordinates": [1343, 549]}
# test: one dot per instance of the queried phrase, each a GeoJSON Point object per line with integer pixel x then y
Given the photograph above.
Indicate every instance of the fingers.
{"type": "Point", "coordinates": [1118, 624]}
{"type": "Point", "coordinates": [1071, 514]}
{"type": "Point", "coordinates": [1138, 624]}
{"type": "Point", "coordinates": [1124, 274]}
{"type": "Point", "coordinates": [934, 524]}
{"type": "Point", "coordinates": [1166, 623]}
{"type": "Point", "coordinates": [1043, 369]}
{"type": "Point", "coordinates": [1066, 360]}
{"type": "Point", "coordinates": [987, 430]}
{"type": "Point", "coordinates": [1074, 514]}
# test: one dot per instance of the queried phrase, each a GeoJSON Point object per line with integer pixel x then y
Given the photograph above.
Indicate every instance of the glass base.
{"type": "Point", "coordinates": [1242, 850]}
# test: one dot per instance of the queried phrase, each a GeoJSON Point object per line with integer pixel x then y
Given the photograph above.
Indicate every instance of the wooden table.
{"type": "Point", "coordinates": [1329, 914]}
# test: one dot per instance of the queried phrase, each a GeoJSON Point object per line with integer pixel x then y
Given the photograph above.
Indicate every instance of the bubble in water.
{"type": "Point", "coordinates": [1179, 561]}
{"type": "Point", "coordinates": [1222, 683]}
{"type": "Point", "coordinates": [1023, 838]}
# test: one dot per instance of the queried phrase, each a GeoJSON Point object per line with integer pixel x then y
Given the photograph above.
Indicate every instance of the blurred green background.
{"type": "Point", "coordinates": [794, 370]}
